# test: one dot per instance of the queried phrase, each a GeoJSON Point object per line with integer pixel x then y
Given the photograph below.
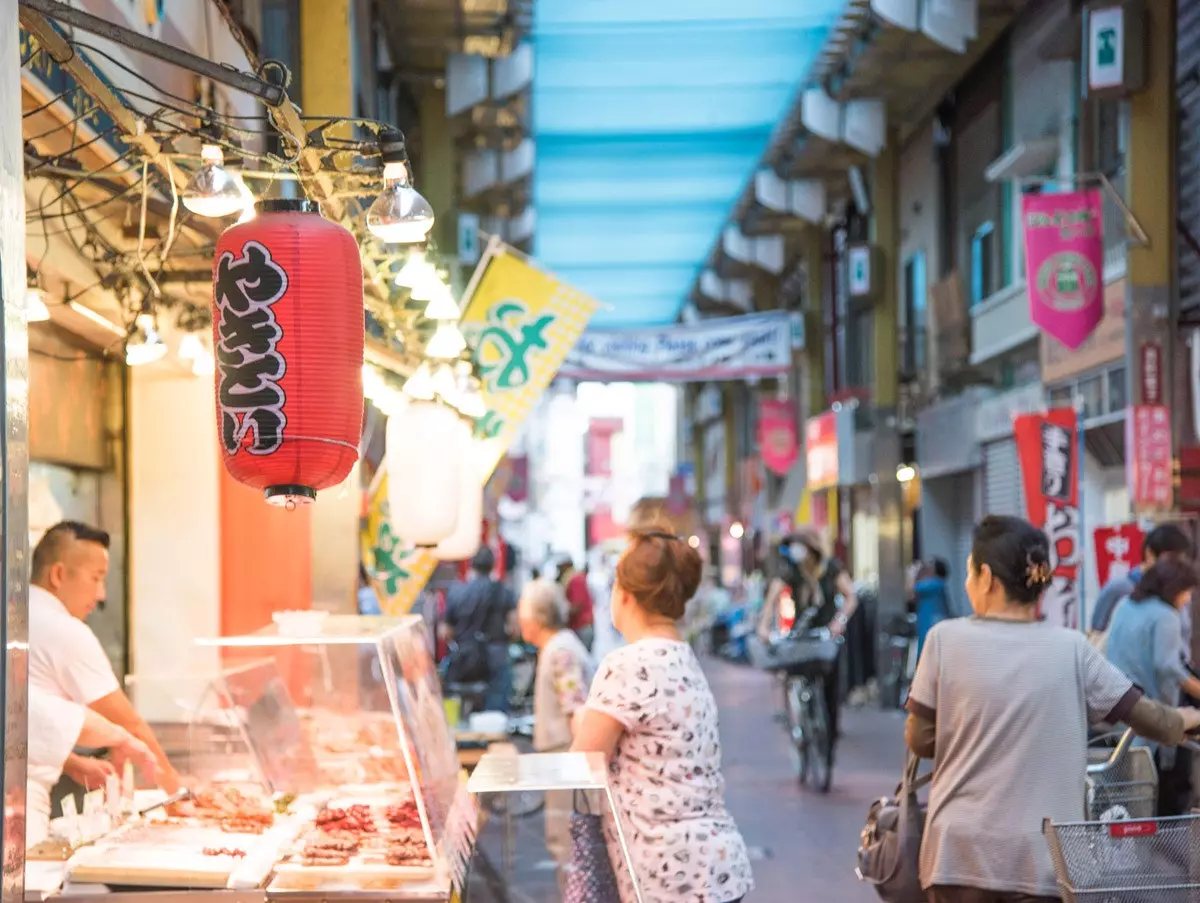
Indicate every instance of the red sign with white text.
{"type": "Point", "coordinates": [821, 450]}
{"type": "Point", "coordinates": [1148, 439]}
{"type": "Point", "coordinates": [1118, 550]}
{"type": "Point", "coordinates": [1047, 445]}
{"type": "Point", "coordinates": [779, 446]}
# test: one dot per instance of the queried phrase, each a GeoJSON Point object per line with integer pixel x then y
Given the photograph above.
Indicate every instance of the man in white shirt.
{"type": "Point", "coordinates": [55, 728]}
{"type": "Point", "coordinates": [66, 660]}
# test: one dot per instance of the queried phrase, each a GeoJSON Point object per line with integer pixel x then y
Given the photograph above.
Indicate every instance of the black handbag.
{"type": "Point", "coordinates": [889, 850]}
{"type": "Point", "coordinates": [590, 878]}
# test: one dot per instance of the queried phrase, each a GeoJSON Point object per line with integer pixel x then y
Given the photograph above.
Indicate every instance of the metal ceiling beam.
{"type": "Point", "coordinates": [248, 84]}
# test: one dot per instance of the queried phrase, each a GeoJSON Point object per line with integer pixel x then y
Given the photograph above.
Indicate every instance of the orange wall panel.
{"type": "Point", "coordinates": [266, 558]}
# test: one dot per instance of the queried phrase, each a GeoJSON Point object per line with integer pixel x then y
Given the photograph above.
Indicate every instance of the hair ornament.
{"type": "Point", "coordinates": [1037, 573]}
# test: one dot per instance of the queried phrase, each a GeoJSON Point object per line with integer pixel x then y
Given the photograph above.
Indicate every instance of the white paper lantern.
{"type": "Point", "coordinates": [464, 542]}
{"type": "Point", "coordinates": [427, 445]}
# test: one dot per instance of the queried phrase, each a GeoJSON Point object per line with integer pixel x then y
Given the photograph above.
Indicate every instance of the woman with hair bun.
{"type": "Point", "coordinates": [651, 712]}
{"type": "Point", "coordinates": [1001, 702]}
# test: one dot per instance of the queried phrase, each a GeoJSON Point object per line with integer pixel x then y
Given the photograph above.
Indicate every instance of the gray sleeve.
{"type": "Point", "coordinates": [922, 695]}
{"type": "Point", "coordinates": [1109, 694]}
{"type": "Point", "coordinates": [1168, 652]}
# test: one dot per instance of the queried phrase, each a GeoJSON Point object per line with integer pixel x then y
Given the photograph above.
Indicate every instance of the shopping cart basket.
{"type": "Point", "coordinates": [1122, 783]}
{"type": "Point", "coordinates": [815, 650]}
{"type": "Point", "coordinates": [1137, 861]}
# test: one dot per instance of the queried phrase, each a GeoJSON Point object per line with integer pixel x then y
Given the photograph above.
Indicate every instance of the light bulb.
{"type": "Point", "coordinates": [470, 401]}
{"type": "Point", "coordinates": [213, 191]}
{"type": "Point", "coordinates": [447, 342]}
{"type": "Point", "coordinates": [420, 384]}
{"type": "Point", "coordinates": [417, 270]}
{"type": "Point", "coordinates": [736, 530]}
{"type": "Point", "coordinates": [444, 383]}
{"type": "Point", "coordinates": [249, 211]}
{"type": "Point", "coordinates": [204, 364]}
{"type": "Point", "coordinates": [190, 347]}
{"type": "Point", "coordinates": [36, 310]}
{"type": "Point", "coordinates": [400, 215]}
{"type": "Point", "coordinates": [442, 305]}
{"type": "Point", "coordinates": [145, 345]}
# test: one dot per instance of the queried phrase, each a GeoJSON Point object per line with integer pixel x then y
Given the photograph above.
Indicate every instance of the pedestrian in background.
{"type": "Point", "coordinates": [1001, 702]}
{"type": "Point", "coordinates": [932, 592]}
{"type": "Point", "coordinates": [652, 714]}
{"type": "Point", "coordinates": [1168, 541]}
{"type": "Point", "coordinates": [560, 689]}
{"type": "Point", "coordinates": [480, 619]}
{"type": "Point", "coordinates": [1146, 643]}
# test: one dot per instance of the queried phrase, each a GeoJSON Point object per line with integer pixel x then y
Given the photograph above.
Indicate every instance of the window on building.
{"type": "Point", "coordinates": [983, 262]}
{"type": "Point", "coordinates": [1061, 397]}
{"type": "Point", "coordinates": [1116, 390]}
{"type": "Point", "coordinates": [916, 320]}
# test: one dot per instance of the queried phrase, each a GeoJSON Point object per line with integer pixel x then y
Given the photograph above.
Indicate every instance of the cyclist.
{"type": "Point", "coordinates": [807, 547]}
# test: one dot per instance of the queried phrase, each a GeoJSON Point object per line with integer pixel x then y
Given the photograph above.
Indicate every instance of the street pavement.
{"type": "Point", "coordinates": [802, 843]}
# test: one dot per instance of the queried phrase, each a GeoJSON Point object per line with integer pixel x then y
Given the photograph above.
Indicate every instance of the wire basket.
{"type": "Point", "coordinates": [1140, 861]}
{"type": "Point", "coordinates": [816, 651]}
{"type": "Point", "coordinates": [1127, 790]}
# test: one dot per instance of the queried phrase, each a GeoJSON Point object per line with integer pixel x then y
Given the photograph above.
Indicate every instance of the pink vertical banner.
{"type": "Point", "coordinates": [778, 438]}
{"type": "Point", "coordinates": [1064, 260]}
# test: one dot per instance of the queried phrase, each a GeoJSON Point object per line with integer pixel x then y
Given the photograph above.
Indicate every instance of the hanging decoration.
{"type": "Point", "coordinates": [427, 446]}
{"type": "Point", "coordinates": [288, 337]}
{"type": "Point", "coordinates": [1064, 259]}
{"type": "Point", "coordinates": [467, 537]}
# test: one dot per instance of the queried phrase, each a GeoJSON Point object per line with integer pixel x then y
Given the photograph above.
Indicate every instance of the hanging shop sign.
{"type": "Point", "coordinates": [1116, 48]}
{"type": "Point", "coordinates": [1118, 551]}
{"type": "Point", "coordinates": [288, 337]}
{"type": "Point", "coordinates": [1064, 259]}
{"type": "Point", "coordinates": [1150, 373]}
{"type": "Point", "coordinates": [860, 262]}
{"type": "Point", "coordinates": [778, 441]}
{"type": "Point", "coordinates": [725, 348]}
{"type": "Point", "coordinates": [520, 320]}
{"type": "Point", "coordinates": [821, 450]}
{"type": "Point", "coordinates": [1148, 438]}
{"type": "Point", "coordinates": [1047, 445]}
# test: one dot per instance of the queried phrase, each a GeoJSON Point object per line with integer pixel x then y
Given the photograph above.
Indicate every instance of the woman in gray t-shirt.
{"type": "Point", "coordinates": [1002, 701]}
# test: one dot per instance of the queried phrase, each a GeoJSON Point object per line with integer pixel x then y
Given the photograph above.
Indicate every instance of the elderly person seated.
{"type": "Point", "coordinates": [564, 676]}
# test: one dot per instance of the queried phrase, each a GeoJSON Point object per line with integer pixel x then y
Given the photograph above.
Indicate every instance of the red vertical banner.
{"type": "Point", "coordinates": [1048, 447]}
{"type": "Point", "coordinates": [1118, 550]}
{"type": "Point", "coordinates": [778, 435]}
{"type": "Point", "coordinates": [1148, 435]}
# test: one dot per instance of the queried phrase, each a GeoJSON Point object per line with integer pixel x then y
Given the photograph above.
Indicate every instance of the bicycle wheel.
{"type": "Point", "coordinates": [819, 746]}
{"type": "Point", "coordinates": [796, 717]}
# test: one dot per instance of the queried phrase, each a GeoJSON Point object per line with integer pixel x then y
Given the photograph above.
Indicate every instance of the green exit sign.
{"type": "Point", "coordinates": [1114, 44]}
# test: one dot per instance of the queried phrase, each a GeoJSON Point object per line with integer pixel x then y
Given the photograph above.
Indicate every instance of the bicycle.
{"type": "Point", "coordinates": [807, 659]}
{"type": "Point", "coordinates": [900, 650]}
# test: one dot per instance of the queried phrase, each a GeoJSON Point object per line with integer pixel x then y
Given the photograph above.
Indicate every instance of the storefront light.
{"type": "Point", "coordinates": [905, 473]}
{"type": "Point", "coordinates": [420, 385]}
{"type": "Point", "coordinates": [736, 530]}
{"type": "Point", "coordinates": [447, 342]}
{"type": "Point", "coordinates": [204, 364]}
{"type": "Point", "coordinates": [190, 347]}
{"type": "Point", "coordinates": [213, 191]}
{"type": "Point", "coordinates": [400, 215]}
{"type": "Point", "coordinates": [145, 345]}
{"type": "Point", "coordinates": [416, 273]}
{"type": "Point", "coordinates": [442, 305]}
{"type": "Point", "coordinates": [36, 310]}
{"type": "Point", "coordinates": [694, 541]}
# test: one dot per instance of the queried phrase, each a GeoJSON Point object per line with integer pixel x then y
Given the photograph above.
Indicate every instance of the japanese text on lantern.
{"type": "Point", "coordinates": [1150, 479]}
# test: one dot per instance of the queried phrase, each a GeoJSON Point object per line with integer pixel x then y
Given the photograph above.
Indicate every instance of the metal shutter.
{"type": "Point", "coordinates": [1187, 156]}
{"type": "Point", "coordinates": [964, 530]}
{"type": "Point", "coordinates": [1002, 479]}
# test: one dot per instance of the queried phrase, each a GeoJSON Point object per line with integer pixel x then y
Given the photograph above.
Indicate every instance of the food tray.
{"type": "Point", "coordinates": [362, 863]}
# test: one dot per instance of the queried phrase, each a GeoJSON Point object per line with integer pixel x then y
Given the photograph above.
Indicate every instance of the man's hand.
{"type": "Point", "coordinates": [131, 749]}
{"type": "Point", "coordinates": [91, 774]}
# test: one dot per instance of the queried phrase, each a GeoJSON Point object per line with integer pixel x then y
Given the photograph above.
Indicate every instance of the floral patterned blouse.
{"type": "Point", "coordinates": [666, 778]}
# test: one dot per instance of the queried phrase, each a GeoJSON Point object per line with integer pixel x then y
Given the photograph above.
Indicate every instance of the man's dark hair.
{"type": "Point", "coordinates": [484, 561]}
{"type": "Point", "coordinates": [941, 568]}
{"type": "Point", "coordinates": [1167, 539]}
{"type": "Point", "coordinates": [53, 545]}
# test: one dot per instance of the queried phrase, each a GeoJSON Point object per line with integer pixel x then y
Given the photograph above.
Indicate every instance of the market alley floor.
{"type": "Point", "coordinates": [803, 844]}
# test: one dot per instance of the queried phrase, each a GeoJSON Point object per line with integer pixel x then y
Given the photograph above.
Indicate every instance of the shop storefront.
{"type": "Point", "coordinates": [841, 499]}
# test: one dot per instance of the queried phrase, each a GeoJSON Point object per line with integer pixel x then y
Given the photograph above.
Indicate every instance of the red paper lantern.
{"type": "Point", "coordinates": [288, 341]}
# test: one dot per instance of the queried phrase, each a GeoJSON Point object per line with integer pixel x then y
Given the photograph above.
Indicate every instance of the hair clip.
{"type": "Point", "coordinates": [1037, 573]}
{"type": "Point", "coordinates": [661, 534]}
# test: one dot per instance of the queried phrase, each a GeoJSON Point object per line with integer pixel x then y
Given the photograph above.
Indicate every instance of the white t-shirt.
{"type": "Point", "coordinates": [666, 778]}
{"type": "Point", "coordinates": [65, 658]}
{"type": "Point", "coordinates": [54, 726]}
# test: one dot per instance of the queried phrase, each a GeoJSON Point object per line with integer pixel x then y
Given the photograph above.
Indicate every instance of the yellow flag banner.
{"type": "Point", "coordinates": [521, 322]}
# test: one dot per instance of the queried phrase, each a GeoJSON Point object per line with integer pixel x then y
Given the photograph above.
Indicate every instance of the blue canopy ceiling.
{"type": "Point", "coordinates": [649, 118]}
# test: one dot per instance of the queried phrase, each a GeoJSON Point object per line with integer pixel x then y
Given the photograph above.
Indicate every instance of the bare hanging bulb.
{"type": "Point", "coordinates": [400, 215]}
{"type": "Point", "coordinates": [447, 342]}
{"type": "Point", "coordinates": [212, 190]}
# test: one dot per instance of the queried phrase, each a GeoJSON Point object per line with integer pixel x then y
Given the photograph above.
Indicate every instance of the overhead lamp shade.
{"type": "Point", "coordinates": [427, 445]}
{"type": "Point", "coordinates": [464, 542]}
{"type": "Point", "coordinates": [288, 340]}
